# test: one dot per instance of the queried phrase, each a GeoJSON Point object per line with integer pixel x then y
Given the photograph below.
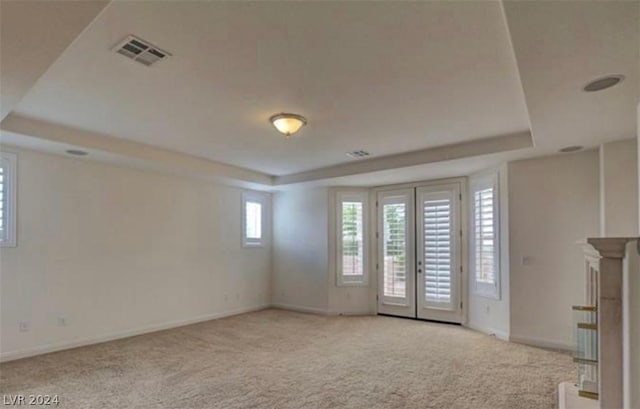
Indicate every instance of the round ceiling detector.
{"type": "Point", "coordinates": [603, 83]}
{"type": "Point", "coordinates": [288, 124]}
{"type": "Point", "coordinates": [570, 149]}
{"type": "Point", "coordinates": [76, 152]}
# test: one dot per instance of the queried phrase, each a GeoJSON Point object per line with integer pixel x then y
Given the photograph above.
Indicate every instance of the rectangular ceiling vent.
{"type": "Point", "coordinates": [358, 154]}
{"type": "Point", "coordinates": [141, 51]}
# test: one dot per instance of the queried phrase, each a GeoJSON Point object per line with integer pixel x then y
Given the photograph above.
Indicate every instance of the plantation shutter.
{"type": "Point", "coordinates": [438, 238]}
{"type": "Point", "coordinates": [484, 236]}
{"type": "Point", "coordinates": [253, 220]}
{"type": "Point", "coordinates": [352, 238]}
{"type": "Point", "coordinates": [3, 202]}
{"type": "Point", "coordinates": [394, 249]}
{"type": "Point", "coordinates": [8, 163]}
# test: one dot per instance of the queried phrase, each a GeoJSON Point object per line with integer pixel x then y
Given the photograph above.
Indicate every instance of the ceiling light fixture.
{"type": "Point", "coordinates": [76, 152]}
{"type": "Point", "coordinates": [602, 83]}
{"type": "Point", "coordinates": [570, 149]}
{"type": "Point", "coordinates": [288, 124]}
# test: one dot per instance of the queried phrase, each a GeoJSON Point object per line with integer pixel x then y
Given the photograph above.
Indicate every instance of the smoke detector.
{"type": "Point", "coordinates": [570, 149]}
{"type": "Point", "coordinates": [358, 154]}
{"type": "Point", "coordinates": [602, 83]}
{"type": "Point", "coordinates": [140, 51]}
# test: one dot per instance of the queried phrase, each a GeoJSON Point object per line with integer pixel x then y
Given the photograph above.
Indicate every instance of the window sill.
{"type": "Point", "coordinates": [253, 245]}
{"type": "Point", "coordinates": [353, 284]}
{"type": "Point", "coordinates": [495, 297]}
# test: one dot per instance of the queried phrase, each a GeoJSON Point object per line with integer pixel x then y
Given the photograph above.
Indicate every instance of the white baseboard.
{"type": "Point", "coordinates": [541, 342]}
{"type": "Point", "coordinates": [352, 312]}
{"type": "Point", "coordinates": [489, 331]}
{"type": "Point", "coordinates": [320, 311]}
{"type": "Point", "coordinates": [43, 349]}
{"type": "Point", "coordinates": [300, 308]}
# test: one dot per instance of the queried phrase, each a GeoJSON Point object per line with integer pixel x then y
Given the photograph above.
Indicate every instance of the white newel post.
{"type": "Point", "coordinates": [610, 335]}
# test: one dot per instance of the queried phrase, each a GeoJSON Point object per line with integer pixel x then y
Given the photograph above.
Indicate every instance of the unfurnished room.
{"type": "Point", "coordinates": [320, 204]}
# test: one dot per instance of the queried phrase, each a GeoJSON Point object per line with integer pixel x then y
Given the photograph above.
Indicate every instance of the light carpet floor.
{"type": "Point", "coordinates": [280, 359]}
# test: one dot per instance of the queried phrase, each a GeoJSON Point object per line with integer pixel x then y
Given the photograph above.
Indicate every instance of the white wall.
{"type": "Point", "coordinates": [487, 314]}
{"type": "Point", "coordinates": [117, 251]}
{"type": "Point", "coordinates": [300, 249]}
{"type": "Point", "coordinates": [619, 189]}
{"type": "Point", "coordinates": [553, 203]}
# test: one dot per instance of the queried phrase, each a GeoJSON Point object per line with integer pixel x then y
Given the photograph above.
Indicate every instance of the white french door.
{"type": "Point", "coordinates": [438, 252]}
{"type": "Point", "coordinates": [419, 253]}
{"type": "Point", "coordinates": [396, 253]}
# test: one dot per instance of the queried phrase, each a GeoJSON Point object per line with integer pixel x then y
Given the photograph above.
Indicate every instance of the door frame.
{"type": "Point", "coordinates": [464, 242]}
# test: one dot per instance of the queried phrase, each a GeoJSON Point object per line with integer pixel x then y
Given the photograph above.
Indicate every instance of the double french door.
{"type": "Point", "coordinates": [419, 238]}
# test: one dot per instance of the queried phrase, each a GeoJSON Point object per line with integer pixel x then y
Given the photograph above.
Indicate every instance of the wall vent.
{"type": "Point", "coordinates": [140, 51]}
{"type": "Point", "coordinates": [358, 154]}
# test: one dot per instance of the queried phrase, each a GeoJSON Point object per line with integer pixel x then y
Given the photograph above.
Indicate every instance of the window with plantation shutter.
{"type": "Point", "coordinates": [438, 250]}
{"type": "Point", "coordinates": [351, 240]}
{"type": "Point", "coordinates": [7, 199]}
{"type": "Point", "coordinates": [484, 235]}
{"type": "Point", "coordinates": [485, 261]}
{"type": "Point", "coordinates": [253, 219]}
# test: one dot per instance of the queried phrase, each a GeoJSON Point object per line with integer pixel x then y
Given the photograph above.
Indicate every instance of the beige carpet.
{"type": "Point", "coordinates": [279, 359]}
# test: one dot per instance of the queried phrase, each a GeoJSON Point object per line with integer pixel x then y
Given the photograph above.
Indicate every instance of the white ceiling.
{"type": "Point", "coordinates": [33, 34]}
{"type": "Point", "coordinates": [387, 77]}
{"type": "Point", "coordinates": [384, 77]}
{"type": "Point", "coordinates": [560, 47]}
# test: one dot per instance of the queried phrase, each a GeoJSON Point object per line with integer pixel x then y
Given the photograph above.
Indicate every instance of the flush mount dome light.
{"type": "Point", "coordinates": [288, 124]}
{"type": "Point", "coordinates": [602, 83]}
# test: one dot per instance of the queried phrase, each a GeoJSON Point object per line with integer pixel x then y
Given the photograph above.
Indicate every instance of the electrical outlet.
{"type": "Point", "coordinates": [62, 321]}
{"type": "Point", "coordinates": [23, 326]}
{"type": "Point", "coordinates": [487, 308]}
{"type": "Point", "coordinates": [348, 295]}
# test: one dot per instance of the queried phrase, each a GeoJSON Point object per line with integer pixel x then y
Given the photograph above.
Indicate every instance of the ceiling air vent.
{"type": "Point", "coordinates": [358, 154]}
{"type": "Point", "coordinates": [141, 51]}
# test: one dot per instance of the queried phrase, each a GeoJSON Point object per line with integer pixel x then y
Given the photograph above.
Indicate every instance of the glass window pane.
{"type": "Point", "coordinates": [253, 220]}
{"type": "Point", "coordinates": [394, 251]}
